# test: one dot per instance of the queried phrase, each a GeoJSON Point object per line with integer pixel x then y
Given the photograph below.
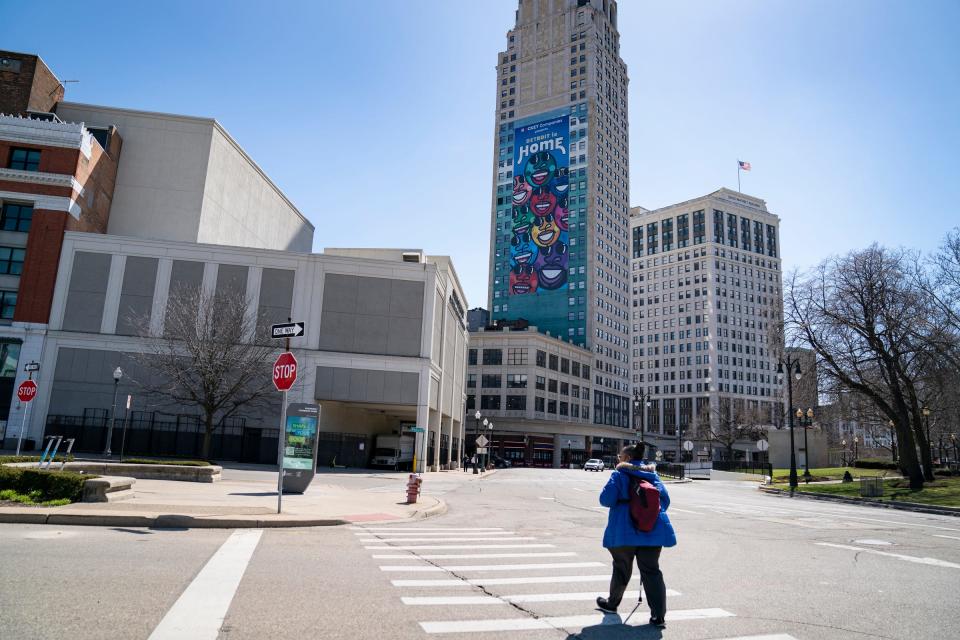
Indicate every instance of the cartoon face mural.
{"type": "Point", "coordinates": [543, 202]}
{"type": "Point", "coordinates": [523, 250]}
{"type": "Point", "coordinates": [523, 279]}
{"type": "Point", "coordinates": [540, 219]}
{"type": "Point", "coordinates": [552, 273]}
{"type": "Point", "coordinates": [540, 168]}
{"type": "Point", "coordinates": [521, 191]}
{"type": "Point", "coordinates": [545, 231]}
{"type": "Point", "coordinates": [522, 220]}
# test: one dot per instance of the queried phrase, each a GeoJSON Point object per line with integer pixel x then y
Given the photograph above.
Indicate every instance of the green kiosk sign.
{"type": "Point", "coordinates": [300, 446]}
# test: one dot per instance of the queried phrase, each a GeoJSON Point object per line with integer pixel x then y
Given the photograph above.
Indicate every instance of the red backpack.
{"type": "Point", "coordinates": [644, 499]}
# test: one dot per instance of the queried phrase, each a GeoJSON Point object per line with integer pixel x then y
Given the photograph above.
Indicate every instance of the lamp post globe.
{"type": "Point", "coordinates": [117, 375]}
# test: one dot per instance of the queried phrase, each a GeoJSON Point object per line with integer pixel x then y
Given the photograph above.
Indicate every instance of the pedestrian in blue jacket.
{"type": "Point", "coordinates": [626, 544]}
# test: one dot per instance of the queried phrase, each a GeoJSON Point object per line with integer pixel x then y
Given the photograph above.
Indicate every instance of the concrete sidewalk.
{"type": "Point", "coordinates": [247, 498]}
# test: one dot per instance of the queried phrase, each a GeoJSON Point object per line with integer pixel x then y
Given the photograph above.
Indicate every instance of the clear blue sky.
{"type": "Point", "coordinates": [376, 118]}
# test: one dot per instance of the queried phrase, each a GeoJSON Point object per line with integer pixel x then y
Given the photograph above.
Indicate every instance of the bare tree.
{"type": "Point", "coordinates": [731, 422]}
{"type": "Point", "coordinates": [861, 314]}
{"type": "Point", "coordinates": [209, 358]}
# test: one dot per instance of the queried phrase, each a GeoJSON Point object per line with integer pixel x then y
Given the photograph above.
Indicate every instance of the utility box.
{"type": "Point", "coordinates": [871, 487]}
{"type": "Point", "coordinates": [300, 446]}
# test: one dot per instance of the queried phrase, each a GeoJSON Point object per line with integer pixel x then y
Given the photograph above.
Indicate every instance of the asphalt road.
{"type": "Point", "coordinates": [517, 555]}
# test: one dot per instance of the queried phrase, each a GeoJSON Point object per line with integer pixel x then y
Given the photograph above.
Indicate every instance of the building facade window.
{"type": "Point", "coordinates": [471, 380]}
{"type": "Point", "coordinates": [493, 356]}
{"type": "Point", "coordinates": [516, 381]}
{"type": "Point", "coordinates": [491, 381]}
{"type": "Point", "coordinates": [24, 159]}
{"type": "Point", "coordinates": [472, 357]}
{"type": "Point", "coordinates": [517, 355]}
{"type": "Point", "coordinates": [541, 358]}
{"type": "Point", "coordinates": [541, 383]}
{"type": "Point", "coordinates": [490, 402]}
{"type": "Point", "coordinates": [564, 365]}
{"type": "Point", "coordinates": [538, 404]}
{"type": "Point", "coordinates": [551, 406]}
{"type": "Point", "coordinates": [11, 260]}
{"type": "Point", "coordinates": [8, 302]}
{"type": "Point", "coordinates": [554, 361]}
{"type": "Point", "coordinates": [516, 403]}
{"type": "Point", "coordinates": [16, 217]}
{"type": "Point", "coordinates": [552, 386]}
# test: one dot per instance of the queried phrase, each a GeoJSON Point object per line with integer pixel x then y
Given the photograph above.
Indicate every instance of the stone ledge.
{"type": "Point", "coordinates": [211, 473]}
{"type": "Point", "coordinates": [108, 489]}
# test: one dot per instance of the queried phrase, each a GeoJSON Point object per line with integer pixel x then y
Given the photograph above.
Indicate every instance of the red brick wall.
{"type": "Point", "coordinates": [40, 266]}
{"type": "Point", "coordinates": [34, 87]}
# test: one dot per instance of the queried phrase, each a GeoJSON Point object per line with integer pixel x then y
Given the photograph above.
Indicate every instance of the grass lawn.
{"type": "Point", "coordinates": [34, 498]}
{"type": "Point", "coordinates": [830, 473]}
{"type": "Point", "coordinates": [945, 492]}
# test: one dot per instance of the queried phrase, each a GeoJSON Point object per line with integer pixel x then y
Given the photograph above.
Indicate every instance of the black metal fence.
{"type": "Point", "coordinates": [671, 470]}
{"type": "Point", "coordinates": [341, 449]}
{"type": "Point", "coordinates": [740, 466]}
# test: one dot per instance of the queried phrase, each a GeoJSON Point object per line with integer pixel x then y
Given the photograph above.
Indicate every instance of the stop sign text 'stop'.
{"type": "Point", "coordinates": [27, 390]}
{"type": "Point", "coordinates": [284, 371]}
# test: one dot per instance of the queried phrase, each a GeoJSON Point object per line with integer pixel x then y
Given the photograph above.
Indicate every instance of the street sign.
{"type": "Point", "coordinates": [482, 441]}
{"type": "Point", "coordinates": [31, 366]}
{"type": "Point", "coordinates": [763, 445]}
{"type": "Point", "coordinates": [481, 449]}
{"type": "Point", "coordinates": [284, 371]}
{"type": "Point", "coordinates": [688, 446]}
{"type": "Point", "coordinates": [416, 430]}
{"type": "Point", "coordinates": [286, 330]}
{"type": "Point", "coordinates": [27, 391]}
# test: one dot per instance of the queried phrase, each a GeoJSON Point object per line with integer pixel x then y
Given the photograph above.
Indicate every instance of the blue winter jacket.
{"type": "Point", "coordinates": [620, 531]}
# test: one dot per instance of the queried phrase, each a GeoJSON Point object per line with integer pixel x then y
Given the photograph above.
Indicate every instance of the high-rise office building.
{"type": "Point", "coordinates": [559, 230]}
{"type": "Point", "coordinates": [706, 289]}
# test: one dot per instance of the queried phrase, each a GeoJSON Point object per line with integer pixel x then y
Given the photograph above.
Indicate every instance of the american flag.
{"type": "Point", "coordinates": [744, 165]}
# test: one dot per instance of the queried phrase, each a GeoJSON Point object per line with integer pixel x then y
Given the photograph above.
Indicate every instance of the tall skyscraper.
{"type": "Point", "coordinates": [706, 284]}
{"type": "Point", "coordinates": [559, 231]}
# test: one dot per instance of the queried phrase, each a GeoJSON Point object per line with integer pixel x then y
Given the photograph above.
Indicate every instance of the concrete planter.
{"type": "Point", "coordinates": [139, 471]}
{"type": "Point", "coordinates": [107, 489]}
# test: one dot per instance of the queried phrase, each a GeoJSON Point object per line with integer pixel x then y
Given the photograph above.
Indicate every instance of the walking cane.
{"type": "Point", "coordinates": [639, 602]}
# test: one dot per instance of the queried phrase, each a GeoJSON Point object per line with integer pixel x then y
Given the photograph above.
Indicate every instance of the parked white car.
{"type": "Point", "coordinates": [593, 464]}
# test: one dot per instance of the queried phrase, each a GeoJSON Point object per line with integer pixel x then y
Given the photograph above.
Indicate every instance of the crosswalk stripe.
{"type": "Point", "coordinates": [769, 636]}
{"type": "Point", "coordinates": [422, 529]}
{"type": "Point", "coordinates": [928, 561]}
{"type": "Point", "coordinates": [494, 567]}
{"type": "Point", "coordinates": [454, 582]}
{"type": "Point", "coordinates": [560, 622]}
{"type": "Point", "coordinates": [586, 596]}
{"type": "Point", "coordinates": [471, 556]}
{"type": "Point", "coordinates": [440, 539]}
{"type": "Point", "coordinates": [461, 546]}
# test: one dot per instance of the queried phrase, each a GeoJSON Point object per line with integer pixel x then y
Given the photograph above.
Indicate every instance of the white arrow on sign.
{"type": "Point", "coordinates": [482, 441]}
{"type": "Point", "coordinates": [286, 330]}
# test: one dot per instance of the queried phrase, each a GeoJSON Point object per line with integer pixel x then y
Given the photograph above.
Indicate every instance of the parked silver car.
{"type": "Point", "coordinates": [593, 464]}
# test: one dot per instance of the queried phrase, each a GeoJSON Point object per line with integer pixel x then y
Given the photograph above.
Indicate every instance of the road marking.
{"type": "Point", "coordinates": [771, 636]}
{"type": "Point", "coordinates": [929, 561]}
{"type": "Point", "coordinates": [546, 498]}
{"type": "Point", "coordinates": [586, 596]}
{"type": "Point", "coordinates": [471, 556]}
{"type": "Point", "coordinates": [435, 534]}
{"type": "Point", "coordinates": [563, 622]}
{"type": "Point", "coordinates": [937, 535]}
{"type": "Point", "coordinates": [440, 539]}
{"type": "Point", "coordinates": [495, 567]}
{"type": "Point", "coordinates": [454, 582]}
{"type": "Point", "coordinates": [199, 611]}
{"type": "Point", "coordinates": [423, 529]}
{"type": "Point", "coordinates": [461, 546]}
{"type": "Point", "coordinates": [695, 513]}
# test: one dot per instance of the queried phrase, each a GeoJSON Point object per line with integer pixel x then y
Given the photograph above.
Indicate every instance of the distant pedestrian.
{"type": "Point", "coordinates": [627, 543]}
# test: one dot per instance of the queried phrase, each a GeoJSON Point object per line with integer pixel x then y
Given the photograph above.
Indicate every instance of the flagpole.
{"type": "Point", "coordinates": [738, 176]}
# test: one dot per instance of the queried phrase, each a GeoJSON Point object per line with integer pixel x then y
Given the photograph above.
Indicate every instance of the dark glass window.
{"type": "Point", "coordinates": [718, 226]}
{"type": "Point", "coordinates": [25, 159]}
{"type": "Point", "coordinates": [516, 403]}
{"type": "Point", "coordinates": [575, 371]}
{"type": "Point", "coordinates": [16, 217]}
{"type": "Point", "coordinates": [683, 231]}
{"type": "Point", "coordinates": [651, 238]}
{"type": "Point", "coordinates": [551, 406]}
{"type": "Point", "coordinates": [586, 372]}
{"type": "Point", "coordinates": [11, 260]}
{"type": "Point", "coordinates": [490, 402]}
{"type": "Point", "coordinates": [471, 380]}
{"type": "Point", "coordinates": [564, 389]}
{"type": "Point", "coordinates": [538, 404]}
{"type": "Point", "coordinates": [516, 381]}
{"type": "Point", "coordinates": [541, 383]}
{"type": "Point", "coordinates": [638, 241]}
{"type": "Point", "coordinates": [554, 360]}
{"type": "Point", "coordinates": [564, 409]}
{"type": "Point", "coordinates": [698, 228]}
{"type": "Point", "coordinates": [8, 301]}
{"type": "Point", "coordinates": [564, 365]}
{"type": "Point", "coordinates": [492, 356]}
{"type": "Point", "coordinates": [517, 355]}
{"type": "Point", "coordinates": [471, 402]}
{"type": "Point", "coordinates": [552, 386]}
{"type": "Point", "coordinates": [491, 381]}
{"type": "Point", "coordinates": [541, 358]}
{"type": "Point", "coordinates": [472, 356]}
{"type": "Point", "coordinates": [667, 234]}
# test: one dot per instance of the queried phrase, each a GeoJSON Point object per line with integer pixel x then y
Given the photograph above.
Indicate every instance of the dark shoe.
{"type": "Point", "coordinates": [604, 606]}
{"type": "Point", "coordinates": [660, 623]}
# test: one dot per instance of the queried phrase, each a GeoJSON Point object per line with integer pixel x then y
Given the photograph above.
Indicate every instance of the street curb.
{"type": "Point", "coordinates": [178, 521]}
{"type": "Point", "coordinates": [897, 505]}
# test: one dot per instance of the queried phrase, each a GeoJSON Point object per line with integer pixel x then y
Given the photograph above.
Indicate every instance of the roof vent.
{"type": "Point", "coordinates": [411, 256]}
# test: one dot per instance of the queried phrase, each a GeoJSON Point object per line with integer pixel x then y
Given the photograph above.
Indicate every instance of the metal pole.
{"type": "Point", "coordinates": [806, 451]}
{"type": "Point", "coordinates": [113, 417]}
{"type": "Point", "coordinates": [280, 439]}
{"type": "Point", "coordinates": [23, 425]}
{"type": "Point", "coordinates": [123, 438]}
{"type": "Point", "coordinates": [793, 451]}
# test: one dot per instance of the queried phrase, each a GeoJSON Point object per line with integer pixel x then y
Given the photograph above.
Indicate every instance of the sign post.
{"type": "Point", "coordinates": [284, 375]}
{"type": "Point", "coordinates": [26, 392]}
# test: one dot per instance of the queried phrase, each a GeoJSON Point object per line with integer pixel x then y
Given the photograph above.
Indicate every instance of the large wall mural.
{"type": "Point", "coordinates": [539, 249]}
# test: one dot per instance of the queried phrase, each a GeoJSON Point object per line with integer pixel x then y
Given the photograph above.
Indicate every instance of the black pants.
{"type": "Point", "coordinates": [648, 562]}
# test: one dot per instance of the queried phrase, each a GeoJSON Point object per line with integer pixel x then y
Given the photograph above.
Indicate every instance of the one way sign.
{"type": "Point", "coordinates": [287, 330]}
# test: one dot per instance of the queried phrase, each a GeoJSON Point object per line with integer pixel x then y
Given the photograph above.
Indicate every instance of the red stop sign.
{"type": "Point", "coordinates": [284, 371]}
{"type": "Point", "coordinates": [27, 391]}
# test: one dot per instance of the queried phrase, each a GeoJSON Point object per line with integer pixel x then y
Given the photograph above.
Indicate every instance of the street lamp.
{"type": "Point", "coordinates": [856, 441]}
{"type": "Point", "coordinates": [805, 422]}
{"type": "Point", "coordinates": [793, 364]}
{"type": "Point", "coordinates": [926, 416]}
{"type": "Point", "coordinates": [117, 374]}
{"type": "Point", "coordinates": [476, 416]}
{"type": "Point", "coordinates": [641, 399]}
{"type": "Point", "coordinates": [483, 467]}
{"type": "Point", "coordinates": [893, 439]}
{"type": "Point", "coordinates": [953, 439]}
{"type": "Point", "coordinates": [490, 444]}
{"type": "Point", "coordinates": [843, 452]}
